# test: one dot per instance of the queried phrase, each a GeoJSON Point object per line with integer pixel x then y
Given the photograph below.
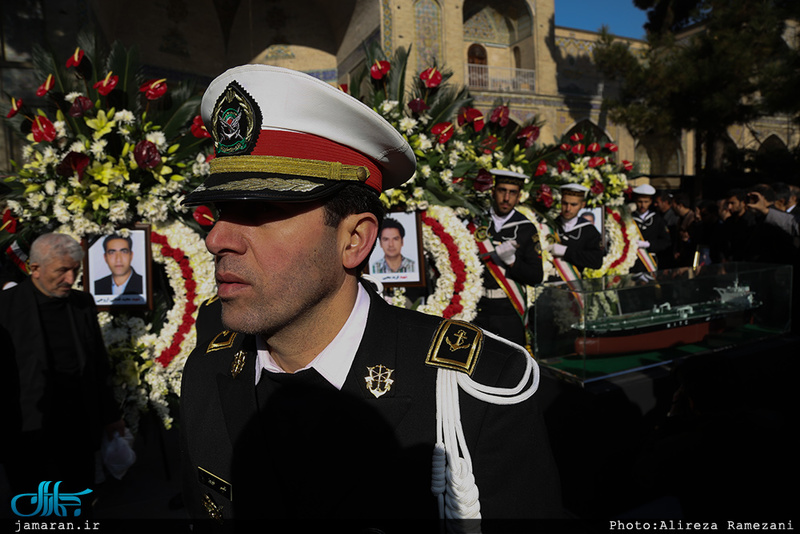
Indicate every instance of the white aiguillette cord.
{"type": "Point", "coordinates": [453, 482]}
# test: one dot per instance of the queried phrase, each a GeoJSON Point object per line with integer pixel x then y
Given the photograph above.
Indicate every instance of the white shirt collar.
{"type": "Point", "coordinates": [570, 224]}
{"type": "Point", "coordinates": [335, 360]}
{"type": "Point", "coordinates": [499, 220]}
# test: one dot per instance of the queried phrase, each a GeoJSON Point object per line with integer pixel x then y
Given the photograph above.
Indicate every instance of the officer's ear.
{"type": "Point", "coordinates": [357, 234]}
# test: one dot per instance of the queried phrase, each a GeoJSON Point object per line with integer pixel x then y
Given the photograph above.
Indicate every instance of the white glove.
{"type": "Point", "coordinates": [506, 251]}
{"type": "Point", "coordinates": [644, 244]}
{"type": "Point", "coordinates": [559, 249]}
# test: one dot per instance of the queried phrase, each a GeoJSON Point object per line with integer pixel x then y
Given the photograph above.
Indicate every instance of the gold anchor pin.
{"type": "Point", "coordinates": [459, 344]}
{"type": "Point", "coordinates": [379, 380]}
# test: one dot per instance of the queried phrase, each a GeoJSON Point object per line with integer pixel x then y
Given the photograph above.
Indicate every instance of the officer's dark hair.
{"type": "Point", "coordinates": [352, 199]}
{"type": "Point", "coordinates": [388, 222]}
{"type": "Point", "coordinates": [663, 194]}
{"type": "Point", "coordinates": [766, 191]}
{"type": "Point", "coordinates": [117, 236]}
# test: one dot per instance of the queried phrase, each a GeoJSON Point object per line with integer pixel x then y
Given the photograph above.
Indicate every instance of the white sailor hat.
{"type": "Point", "coordinates": [282, 135]}
{"type": "Point", "coordinates": [502, 176]}
{"type": "Point", "coordinates": [574, 189]}
{"type": "Point", "coordinates": [644, 189]}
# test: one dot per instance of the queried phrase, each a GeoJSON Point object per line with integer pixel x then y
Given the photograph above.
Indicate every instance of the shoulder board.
{"type": "Point", "coordinates": [456, 345]}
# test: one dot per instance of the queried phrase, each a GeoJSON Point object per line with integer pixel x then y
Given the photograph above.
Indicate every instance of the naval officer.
{"type": "Point", "coordinates": [655, 235]}
{"type": "Point", "coordinates": [580, 243]}
{"type": "Point", "coordinates": [316, 402]}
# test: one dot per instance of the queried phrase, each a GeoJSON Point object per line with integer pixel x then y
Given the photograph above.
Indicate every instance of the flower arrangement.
{"type": "Point", "coordinates": [107, 147]}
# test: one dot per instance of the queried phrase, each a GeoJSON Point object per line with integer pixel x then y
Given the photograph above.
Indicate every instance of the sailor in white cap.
{"type": "Point", "coordinates": [580, 243]}
{"type": "Point", "coordinates": [314, 400]}
{"type": "Point", "coordinates": [509, 247]}
{"type": "Point", "coordinates": [655, 236]}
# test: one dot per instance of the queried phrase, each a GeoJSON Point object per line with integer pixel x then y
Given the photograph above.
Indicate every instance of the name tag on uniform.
{"type": "Point", "coordinates": [210, 480]}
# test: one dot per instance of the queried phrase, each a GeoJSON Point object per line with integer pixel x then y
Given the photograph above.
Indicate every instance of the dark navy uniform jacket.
{"type": "Point", "coordinates": [302, 450]}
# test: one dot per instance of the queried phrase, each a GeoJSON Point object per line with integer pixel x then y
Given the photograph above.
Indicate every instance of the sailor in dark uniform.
{"type": "Point", "coordinates": [655, 235]}
{"type": "Point", "coordinates": [315, 403]}
{"type": "Point", "coordinates": [580, 243]}
{"type": "Point", "coordinates": [512, 263]}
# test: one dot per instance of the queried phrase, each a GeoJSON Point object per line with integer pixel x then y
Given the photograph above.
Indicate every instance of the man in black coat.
{"type": "Point", "coordinates": [316, 402]}
{"type": "Point", "coordinates": [58, 397]}
{"type": "Point", "coordinates": [509, 246]}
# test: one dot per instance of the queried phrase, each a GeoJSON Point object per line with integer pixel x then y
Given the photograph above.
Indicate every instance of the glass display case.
{"type": "Point", "coordinates": [597, 328]}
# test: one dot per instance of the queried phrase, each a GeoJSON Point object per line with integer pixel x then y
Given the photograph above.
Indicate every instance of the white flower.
{"type": "Point", "coordinates": [70, 97]}
{"type": "Point", "coordinates": [407, 125]}
{"type": "Point", "coordinates": [98, 148]}
{"type": "Point", "coordinates": [77, 146]}
{"type": "Point", "coordinates": [124, 116]}
{"type": "Point", "coordinates": [158, 139]}
{"type": "Point", "coordinates": [50, 187]}
{"type": "Point", "coordinates": [425, 171]}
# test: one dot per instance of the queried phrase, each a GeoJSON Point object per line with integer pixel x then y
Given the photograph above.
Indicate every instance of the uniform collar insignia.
{"type": "Point", "coordinates": [379, 380]}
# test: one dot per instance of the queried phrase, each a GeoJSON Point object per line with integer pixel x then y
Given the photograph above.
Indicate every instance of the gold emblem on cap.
{"type": "Point", "coordinates": [238, 363]}
{"type": "Point", "coordinates": [379, 380]}
{"type": "Point", "coordinates": [212, 509]}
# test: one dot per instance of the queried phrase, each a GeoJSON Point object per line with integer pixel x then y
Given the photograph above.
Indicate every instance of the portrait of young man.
{"type": "Point", "coordinates": [310, 398]}
{"type": "Point", "coordinates": [396, 258]}
{"type": "Point", "coordinates": [118, 254]}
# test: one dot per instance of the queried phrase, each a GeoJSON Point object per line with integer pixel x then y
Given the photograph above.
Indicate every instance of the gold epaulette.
{"type": "Point", "coordinates": [456, 345]}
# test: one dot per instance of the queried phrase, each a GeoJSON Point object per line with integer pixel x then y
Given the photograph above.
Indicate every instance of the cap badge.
{"type": "Point", "coordinates": [379, 380]}
{"type": "Point", "coordinates": [237, 122]}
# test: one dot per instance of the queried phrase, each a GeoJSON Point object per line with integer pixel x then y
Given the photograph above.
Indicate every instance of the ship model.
{"type": "Point", "coordinates": [665, 325]}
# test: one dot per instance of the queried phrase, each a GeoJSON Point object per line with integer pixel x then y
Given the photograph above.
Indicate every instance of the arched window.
{"type": "Point", "coordinates": [477, 65]}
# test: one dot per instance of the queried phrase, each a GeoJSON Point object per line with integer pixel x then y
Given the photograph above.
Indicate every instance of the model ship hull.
{"type": "Point", "coordinates": [664, 327]}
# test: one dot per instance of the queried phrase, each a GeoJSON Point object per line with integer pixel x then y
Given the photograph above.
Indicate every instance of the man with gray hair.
{"type": "Point", "coordinates": [57, 395]}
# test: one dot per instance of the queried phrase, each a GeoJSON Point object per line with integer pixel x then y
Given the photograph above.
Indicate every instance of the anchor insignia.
{"type": "Point", "coordinates": [379, 380]}
{"type": "Point", "coordinates": [459, 344]}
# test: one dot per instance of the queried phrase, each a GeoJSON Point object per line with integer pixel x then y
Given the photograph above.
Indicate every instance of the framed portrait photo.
{"type": "Point", "coordinates": [117, 268]}
{"type": "Point", "coordinates": [398, 258]}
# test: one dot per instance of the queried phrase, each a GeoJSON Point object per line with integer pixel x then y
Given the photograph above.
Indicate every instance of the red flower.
{"type": "Point", "coordinates": [431, 77]}
{"type": "Point", "coordinates": [46, 86]}
{"type": "Point", "coordinates": [107, 84]}
{"type": "Point", "coordinates": [545, 195]}
{"type": "Point", "coordinates": [489, 144]}
{"type": "Point", "coordinates": [500, 115]}
{"type": "Point", "coordinates": [43, 129]}
{"type": "Point", "coordinates": [80, 106]}
{"type": "Point", "coordinates": [146, 155]}
{"type": "Point", "coordinates": [343, 87]}
{"type": "Point", "coordinates": [541, 168]}
{"type": "Point", "coordinates": [597, 187]}
{"type": "Point", "coordinates": [596, 161]}
{"type": "Point", "coordinates": [15, 107]}
{"type": "Point", "coordinates": [379, 69]}
{"type": "Point", "coordinates": [198, 128]}
{"type": "Point", "coordinates": [154, 89]}
{"type": "Point", "coordinates": [611, 147]}
{"type": "Point", "coordinates": [75, 59]}
{"type": "Point", "coordinates": [418, 105]}
{"type": "Point", "coordinates": [471, 115]}
{"type": "Point", "coordinates": [576, 137]}
{"type": "Point", "coordinates": [484, 180]}
{"type": "Point", "coordinates": [578, 149]}
{"type": "Point", "coordinates": [565, 147]}
{"type": "Point", "coordinates": [593, 147]}
{"type": "Point", "coordinates": [627, 165]}
{"type": "Point", "coordinates": [530, 134]}
{"type": "Point", "coordinates": [444, 130]}
{"type": "Point", "coordinates": [203, 216]}
{"type": "Point", "coordinates": [563, 165]}
{"type": "Point", "coordinates": [9, 223]}
{"type": "Point", "coordinates": [73, 163]}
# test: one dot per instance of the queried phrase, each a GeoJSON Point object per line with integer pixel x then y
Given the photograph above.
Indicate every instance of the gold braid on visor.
{"type": "Point", "coordinates": [310, 168]}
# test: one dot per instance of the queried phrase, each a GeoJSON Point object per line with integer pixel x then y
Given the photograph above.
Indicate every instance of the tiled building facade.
{"type": "Point", "coordinates": [507, 49]}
